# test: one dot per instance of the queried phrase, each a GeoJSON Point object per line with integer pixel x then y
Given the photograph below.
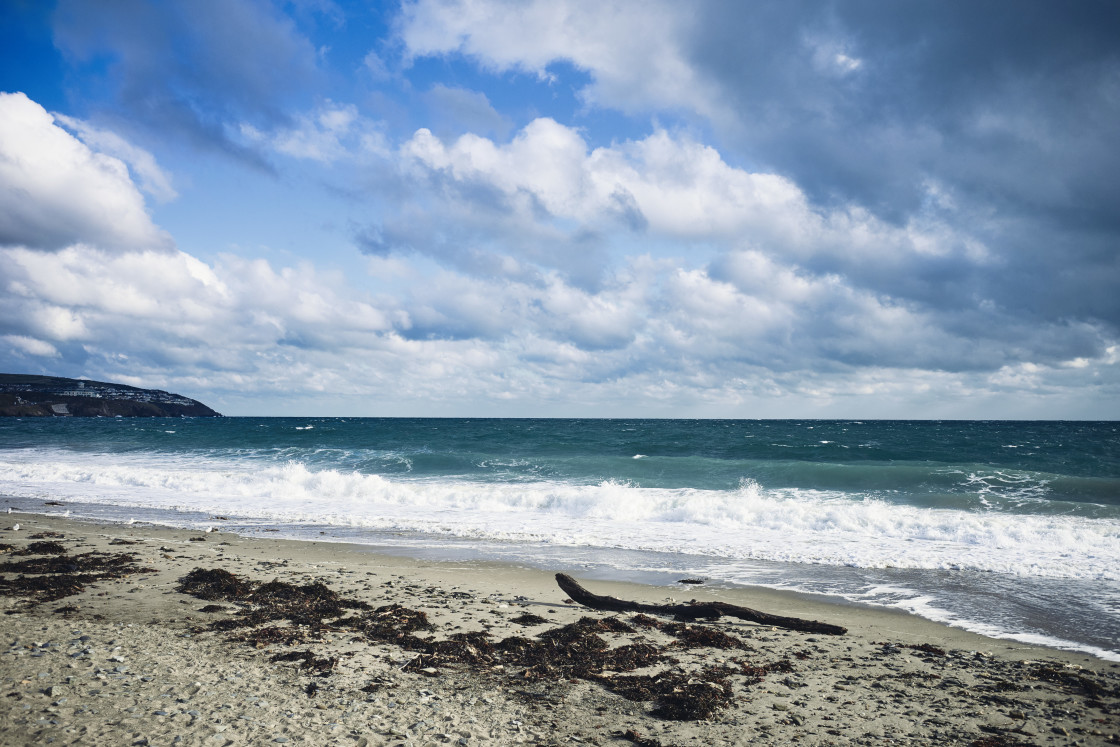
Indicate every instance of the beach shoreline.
{"type": "Point", "coordinates": [153, 669]}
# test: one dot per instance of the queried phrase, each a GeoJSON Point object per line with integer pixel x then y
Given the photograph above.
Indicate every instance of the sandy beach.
{"type": "Point", "coordinates": [133, 634]}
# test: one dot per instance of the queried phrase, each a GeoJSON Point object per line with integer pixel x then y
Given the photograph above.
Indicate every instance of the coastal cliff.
{"type": "Point", "coordinates": [27, 395]}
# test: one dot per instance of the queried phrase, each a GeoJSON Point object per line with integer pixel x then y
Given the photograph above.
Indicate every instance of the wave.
{"type": "Point", "coordinates": [748, 521]}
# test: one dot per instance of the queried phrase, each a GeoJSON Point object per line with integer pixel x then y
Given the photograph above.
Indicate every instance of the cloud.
{"type": "Point", "coordinates": [891, 208]}
{"type": "Point", "coordinates": [634, 53]}
{"type": "Point", "coordinates": [654, 335]}
{"type": "Point", "coordinates": [891, 125]}
{"type": "Point", "coordinates": [190, 70]}
{"type": "Point", "coordinates": [847, 101]}
{"type": "Point", "coordinates": [57, 191]}
{"type": "Point", "coordinates": [147, 306]}
{"type": "Point", "coordinates": [331, 132]}
{"type": "Point", "coordinates": [31, 346]}
{"type": "Point", "coordinates": [153, 179]}
{"type": "Point", "coordinates": [547, 184]}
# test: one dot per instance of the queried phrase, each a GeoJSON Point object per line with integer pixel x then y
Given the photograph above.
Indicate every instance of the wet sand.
{"type": "Point", "coordinates": [136, 660]}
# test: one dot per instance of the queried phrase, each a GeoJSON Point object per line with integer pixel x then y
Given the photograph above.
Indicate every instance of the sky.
{"type": "Point", "coordinates": [552, 208]}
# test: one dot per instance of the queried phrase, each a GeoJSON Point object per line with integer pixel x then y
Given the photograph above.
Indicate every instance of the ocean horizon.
{"type": "Point", "coordinates": [1006, 528]}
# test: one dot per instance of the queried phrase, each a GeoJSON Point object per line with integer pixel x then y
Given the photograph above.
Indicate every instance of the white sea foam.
{"type": "Point", "coordinates": [801, 526]}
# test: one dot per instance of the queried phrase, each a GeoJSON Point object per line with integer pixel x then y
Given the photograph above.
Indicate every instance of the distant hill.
{"type": "Point", "coordinates": [27, 395]}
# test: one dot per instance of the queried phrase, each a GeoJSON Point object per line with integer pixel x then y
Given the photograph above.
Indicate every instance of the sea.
{"type": "Point", "coordinates": [1010, 529]}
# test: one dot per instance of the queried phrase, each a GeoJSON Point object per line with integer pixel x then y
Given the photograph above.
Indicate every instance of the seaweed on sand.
{"type": "Point", "coordinates": [701, 636]}
{"type": "Point", "coordinates": [58, 575]}
{"type": "Point", "coordinates": [393, 623]}
{"type": "Point", "coordinates": [42, 548]}
{"type": "Point", "coordinates": [1073, 681]}
{"type": "Point", "coordinates": [308, 660]}
{"type": "Point", "coordinates": [528, 618]}
{"type": "Point", "coordinates": [310, 605]}
{"type": "Point", "coordinates": [580, 650]}
{"type": "Point", "coordinates": [215, 584]}
{"type": "Point", "coordinates": [677, 696]}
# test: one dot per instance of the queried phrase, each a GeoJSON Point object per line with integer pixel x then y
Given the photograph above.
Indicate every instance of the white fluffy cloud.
{"type": "Point", "coordinates": [57, 191]}
{"type": "Point", "coordinates": [669, 187]}
{"type": "Point", "coordinates": [634, 52]}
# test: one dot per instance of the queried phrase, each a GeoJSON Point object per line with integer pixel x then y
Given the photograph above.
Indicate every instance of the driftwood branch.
{"type": "Point", "coordinates": [691, 611]}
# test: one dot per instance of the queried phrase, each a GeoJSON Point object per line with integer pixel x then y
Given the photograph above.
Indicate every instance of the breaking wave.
{"type": "Point", "coordinates": [798, 525]}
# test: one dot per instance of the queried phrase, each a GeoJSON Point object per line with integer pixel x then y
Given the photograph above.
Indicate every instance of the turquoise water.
{"type": "Point", "coordinates": [1007, 528]}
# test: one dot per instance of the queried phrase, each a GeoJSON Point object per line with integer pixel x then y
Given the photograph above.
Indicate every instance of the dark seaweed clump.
{"type": "Point", "coordinates": [42, 548]}
{"type": "Point", "coordinates": [306, 608]}
{"type": "Point", "coordinates": [56, 575]}
{"type": "Point", "coordinates": [528, 618]}
{"type": "Point", "coordinates": [215, 584]}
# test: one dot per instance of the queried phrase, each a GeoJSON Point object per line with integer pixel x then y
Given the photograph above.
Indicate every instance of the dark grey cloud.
{"type": "Point", "coordinates": [975, 93]}
{"type": "Point", "coordinates": [1010, 110]}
